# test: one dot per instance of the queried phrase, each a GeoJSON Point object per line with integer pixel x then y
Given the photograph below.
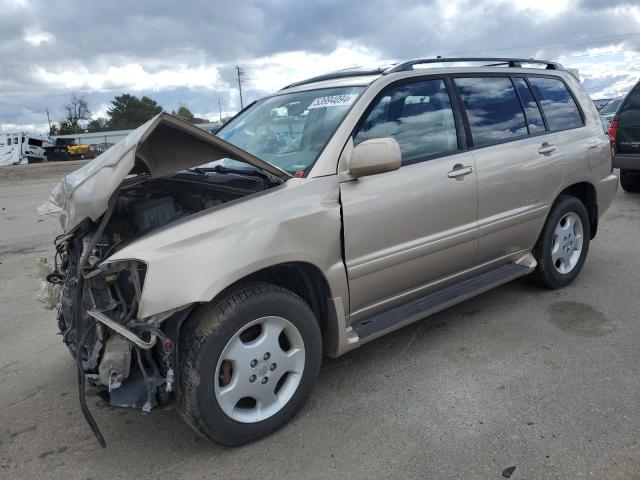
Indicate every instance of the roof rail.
{"type": "Point", "coordinates": [496, 62]}
{"type": "Point", "coordinates": [408, 65]}
{"type": "Point", "coordinates": [347, 72]}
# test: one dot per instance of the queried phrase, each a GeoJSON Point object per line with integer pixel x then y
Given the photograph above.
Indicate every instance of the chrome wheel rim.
{"type": "Point", "coordinates": [259, 369]}
{"type": "Point", "coordinates": [568, 239]}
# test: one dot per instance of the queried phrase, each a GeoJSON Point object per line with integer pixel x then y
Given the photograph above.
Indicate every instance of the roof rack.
{"type": "Point", "coordinates": [496, 62]}
{"type": "Point", "coordinates": [408, 65]}
{"type": "Point", "coordinates": [347, 72]}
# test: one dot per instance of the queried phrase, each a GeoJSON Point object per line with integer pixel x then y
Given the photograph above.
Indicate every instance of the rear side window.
{"type": "Point", "coordinates": [9, 141]}
{"type": "Point", "coordinates": [418, 115]}
{"type": "Point", "coordinates": [558, 105]}
{"type": "Point", "coordinates": [531, 110]}
{"type": "Point", "coordinates": [493, 109]}
{"type": "Point", "coordinates": [35, 142]}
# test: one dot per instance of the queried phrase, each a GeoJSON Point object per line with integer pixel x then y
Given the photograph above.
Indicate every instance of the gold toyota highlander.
{"type": "Point", "coordinates": [212, 272]}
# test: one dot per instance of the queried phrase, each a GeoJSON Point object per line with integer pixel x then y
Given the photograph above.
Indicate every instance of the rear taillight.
{"type": "Point", "coordinates": [613, 130]}
{"type": "Point", "coordinates": [613, 134]}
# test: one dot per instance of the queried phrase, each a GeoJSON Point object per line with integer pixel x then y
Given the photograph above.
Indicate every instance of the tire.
{"type": "Point", "coordinates": [558, 263]}
{"type": "Point", "coordinates": [630, 181]}
{"type": "Point", "coordinates": [218, 348]}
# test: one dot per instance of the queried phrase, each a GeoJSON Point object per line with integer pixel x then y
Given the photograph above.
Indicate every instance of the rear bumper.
{"type": "Point", "coordinates": [627, 162]}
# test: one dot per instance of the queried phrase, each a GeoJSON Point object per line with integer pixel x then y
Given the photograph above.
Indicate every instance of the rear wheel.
{"type": "Point", "coordinates": [630, 181]}
{"type": "Point", "coordinates": [248, 363]}
{"type": "Point", "coordinates": [562, 247]}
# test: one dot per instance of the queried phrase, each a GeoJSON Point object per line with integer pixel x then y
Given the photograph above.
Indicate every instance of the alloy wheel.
{"type": "Point", "coordinates": [259, 369]}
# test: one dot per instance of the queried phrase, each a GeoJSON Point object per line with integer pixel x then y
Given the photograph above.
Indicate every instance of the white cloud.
{"type": "Point", "coordinates": [37, 37]}
{"type": "Point", "coordinates": [130, 76]}
{"type": "Point", "coordinates": [16, 3]}
{"type": "Point", "coordinates": [24, 127]}
{"type": "Point", "coordinates": [284, 68]}
{"type": "Point", "coordinates": [175, 54]}
{"type": "Point", "coordinates": [545, 7]}
{"type": "Point", "coordinates": [101, 111]}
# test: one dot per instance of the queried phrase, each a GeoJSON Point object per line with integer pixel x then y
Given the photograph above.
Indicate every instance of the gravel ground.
{"type": "Point", "coordinates": [546, 381]}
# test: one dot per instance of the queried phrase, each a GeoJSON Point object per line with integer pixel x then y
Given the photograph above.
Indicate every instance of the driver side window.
{"type": "Point", "coordinates": [418, 115]}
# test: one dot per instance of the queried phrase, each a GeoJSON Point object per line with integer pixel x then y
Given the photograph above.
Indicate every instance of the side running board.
{"type": "Point", "coordinates": [436, 301]}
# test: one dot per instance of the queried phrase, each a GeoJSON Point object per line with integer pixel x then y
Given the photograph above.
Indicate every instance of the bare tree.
{"type": "Point", "coordinates": [77, 112]}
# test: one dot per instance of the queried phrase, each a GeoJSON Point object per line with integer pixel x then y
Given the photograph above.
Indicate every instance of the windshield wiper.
{"type": "Point", "coordinates": [253, 171]}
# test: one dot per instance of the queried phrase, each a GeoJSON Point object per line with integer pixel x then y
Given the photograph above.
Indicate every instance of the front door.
{"type": "Point", "coordinates": [408, 228]}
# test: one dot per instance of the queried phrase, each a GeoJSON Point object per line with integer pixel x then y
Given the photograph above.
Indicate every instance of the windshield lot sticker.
{"type": "Point", "coordinates": [333, 101]}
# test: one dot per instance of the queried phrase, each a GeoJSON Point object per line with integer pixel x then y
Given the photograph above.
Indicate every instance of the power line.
{"type": "Point", "coordinates": [555, 46]}
{"type": "Point", "coordinates": [607, 85]}
{"type": "Point", "coordinates": [590, 55]}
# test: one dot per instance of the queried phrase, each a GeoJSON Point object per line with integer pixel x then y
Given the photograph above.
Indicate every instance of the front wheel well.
{"type": "Point", "coordinates": [303, 279]}
{"type": "Point", "coordinates": [586, 193]}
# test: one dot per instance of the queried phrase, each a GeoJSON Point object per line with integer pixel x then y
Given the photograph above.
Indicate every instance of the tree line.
{"type": "Point", "coordinates": [125, 113]}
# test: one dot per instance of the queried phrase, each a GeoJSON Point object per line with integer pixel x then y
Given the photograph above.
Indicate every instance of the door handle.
{"type": "Point", "coordinates": [546, 148]}
{"type": "Point", "coordinates": [460, 171]}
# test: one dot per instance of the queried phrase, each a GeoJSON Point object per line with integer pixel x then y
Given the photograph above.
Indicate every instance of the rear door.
{"type": "Point", "coordinates": [519, 167]}
{"type": "Point", "coordinates": [408, 228]}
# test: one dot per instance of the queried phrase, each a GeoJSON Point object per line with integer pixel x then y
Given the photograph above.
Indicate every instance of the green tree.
{"type": "Point", "coordinates": [98, 125]}
{"type": "Point", "coordinates": [183, 112]}
{"type": "Point", "coordinates": [128, 111]}
{"type": "Point", "coordinates": [65, 127]}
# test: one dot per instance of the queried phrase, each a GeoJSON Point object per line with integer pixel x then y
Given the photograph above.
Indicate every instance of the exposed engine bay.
{"type": "Point", "coordinates": [126, 360]}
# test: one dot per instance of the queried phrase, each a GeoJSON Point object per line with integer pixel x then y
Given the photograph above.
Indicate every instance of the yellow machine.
{"type": "Point", "coordinates": [81, 151]}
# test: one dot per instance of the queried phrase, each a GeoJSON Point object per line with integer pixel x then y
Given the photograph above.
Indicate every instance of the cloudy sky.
{"type": "Point", "coordinates": [186, 52]}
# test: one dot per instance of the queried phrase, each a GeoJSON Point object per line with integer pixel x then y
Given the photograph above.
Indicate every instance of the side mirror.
{"type": "Point", "coordinates": [374, 156]}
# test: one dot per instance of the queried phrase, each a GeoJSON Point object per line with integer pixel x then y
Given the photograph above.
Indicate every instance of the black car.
{"type": "Point", "coordinates": [625, 135]}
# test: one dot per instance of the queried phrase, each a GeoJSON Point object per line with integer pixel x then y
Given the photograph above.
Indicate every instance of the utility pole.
{"type": "Point", "coordinates": [220, 109]}
{"type": "Point", "coordinates": [240, 80]}
{"type": "Point", "coordinates": [49, 120]}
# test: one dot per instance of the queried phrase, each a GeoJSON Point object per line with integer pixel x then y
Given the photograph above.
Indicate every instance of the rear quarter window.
{"type": "Point", "coordinates": [559, 107]}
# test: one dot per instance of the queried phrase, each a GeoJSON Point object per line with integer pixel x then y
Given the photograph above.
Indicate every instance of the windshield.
{"type": "Point", "coordinates": [289, 131]}
{"type": "Point", "coordinates": [612, 106]}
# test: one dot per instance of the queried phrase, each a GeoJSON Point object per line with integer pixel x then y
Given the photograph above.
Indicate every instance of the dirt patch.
{"type": "Point", "coordinates": [34, 172]}
{"type": "Point", "coordinates": [580, 319]}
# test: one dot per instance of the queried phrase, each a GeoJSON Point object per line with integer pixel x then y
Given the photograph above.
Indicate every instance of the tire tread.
{"type": "Point", "coordinates": [541, 276]}
{"type": "Point", "coordinates": [206, 319]}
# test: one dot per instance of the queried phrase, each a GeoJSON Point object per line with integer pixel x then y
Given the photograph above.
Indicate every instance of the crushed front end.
{"type": "Point", "coordinates": [127, 361]}
{"type": "Point", "coordinates": [147, 184]}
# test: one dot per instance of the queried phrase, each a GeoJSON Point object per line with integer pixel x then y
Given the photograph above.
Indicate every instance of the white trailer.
{"type": "Point", "coordinates": [23, 147]}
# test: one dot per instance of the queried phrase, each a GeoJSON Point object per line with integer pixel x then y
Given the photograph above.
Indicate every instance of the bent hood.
{"type": "Point", "coordinates": [162, 146]}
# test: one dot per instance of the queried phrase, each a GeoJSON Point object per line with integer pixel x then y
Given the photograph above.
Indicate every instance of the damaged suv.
{"type": "Point", "coordinates": [211, 272]}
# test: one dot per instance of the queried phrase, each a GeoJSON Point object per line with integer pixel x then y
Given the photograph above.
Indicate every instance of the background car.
{"type": "Point", "coordinates": [625, 136]}
{"type": "Point", "coordinates": [601, 102]}
{"type": "Point", "coordinates": [608, 111]}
